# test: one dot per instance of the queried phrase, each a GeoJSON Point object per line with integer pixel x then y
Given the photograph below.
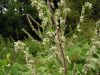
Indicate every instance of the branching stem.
{"type": "Point", "coordinates": [58, 34]}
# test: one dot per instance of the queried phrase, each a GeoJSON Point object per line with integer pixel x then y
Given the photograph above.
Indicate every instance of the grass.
{"type": "Point", "coordinates": [45, 60]}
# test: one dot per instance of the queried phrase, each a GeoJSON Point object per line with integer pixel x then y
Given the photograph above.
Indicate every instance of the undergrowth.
{"type": "Point", "coordinates": [75, 53]}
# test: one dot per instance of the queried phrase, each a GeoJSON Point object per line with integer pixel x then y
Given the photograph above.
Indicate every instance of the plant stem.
{"type": "Point", "coordinates": [61, 51]}
{"type": "Point", "coordinates": [58, 34]}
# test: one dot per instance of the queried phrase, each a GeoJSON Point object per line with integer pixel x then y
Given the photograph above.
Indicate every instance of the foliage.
{"type": "Point", "coordinates": [13, 15]}
{"type": "Point", "coordinates": [57, 53]}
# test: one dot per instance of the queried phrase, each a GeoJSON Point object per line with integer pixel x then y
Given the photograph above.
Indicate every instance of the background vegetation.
{"type": "Point", "coordinates": [26, 49]}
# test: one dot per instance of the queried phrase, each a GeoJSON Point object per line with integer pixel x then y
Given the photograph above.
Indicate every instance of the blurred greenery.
{"type": "Point", "coordinates": [13, 16]}
{"type": "Point", "coordinates": [13, 19]}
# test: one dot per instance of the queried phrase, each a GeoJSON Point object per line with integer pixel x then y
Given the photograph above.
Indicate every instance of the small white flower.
{"type": "Point", "coordinates": [93, 47]}
{"type": "Point", "coordinates": [63, 38]}
{"type": "Point", "coordinates": [79, 30]}
{"type": "Point", "coordinates": [66, 10]}
{"type": "Point", "coordinates": [83, 9]}
{"type": "Point", "coordinates": [53, 48]}
{"type": "Point", "coordinates": [31, 61]}
{"type": "Point", "coordinates": [78, 26]}
{"type": "Point", "coordinates": [19, 46]}
{"type": "Point", "coordinates": [81, 18]}
{"type": "Point", "coordinates": [41, 14]}
{"type": "Point", "coordinates": [92, 39]}
{"type": "Point", "coordinates": [71, 43]}
{"type": "Point", "coordinates": [75, 36]}
{"type": "Point", "coordinates": [62, 2]}
{"type": "Point", "coordinates": [89, 5]}
{"type": "Point", "coordinates": [61, 70]}
{"type": "Point", "coordinates": [57, 13]}
{"type": "Point", "coordinates": [52, 4]}
{"type": "Point", "coordinates": [98, 23]}
{"type": "Point", "coordinates": [50, 57]}
{"type": "Point", "coordinates": [58, 53]}
{"type": "Point", "coordinates": [97, 43]}
{"type": "Point", "coordinates": [50, 33]}
{"type": "Point", "coordinates": [62, 21]}
{"type": "Point", "coordinates": [45, 40]}
{"type": "Point", "coordinates": [8, 65]}
{"type": "Point", "coordinates": [68, 59]}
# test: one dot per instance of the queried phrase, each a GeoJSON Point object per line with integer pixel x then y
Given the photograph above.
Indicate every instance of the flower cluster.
{"type": "Point", "coordinates": [55, 18]}
{"type": "Point", "coordinates": [75, 37]}
{"type": "Point", "coordinates": [43, 10]}
{"type": "Point", "coordinates": [53, 48]}
{"type": "Point", "coordinates": [22, 47]}
{"type": "Point", "coordinates": [68, 59]}
{"type": "Point", "coordinates": [98, 27]}
{"type": "Point", "coordinates": [78, 28]}
{"type": "Point", "coordinates": [61, 12]}
{"type": "Point", "coordinates": [50, 33]}
{"type": "Point", "coordinates": [81, 18]}
{"type": "Point", "coordinates": [61, 70]}
{"type": "Point", "coordinates": [57, 15]}
{"type": "Point", "coordinates": [19, 46]}
{"type": "Point", "coordinates": [61, 3]}
{"type": "Point", "coordinates": [29, 61]}
{"type": "Point", "coordinates": [91, 61]}
{"type": "Point", "coordinates": [67, 10]}
{"type": "Point", "coordinates": [45, 21]}
{"type": "Point", "coordinates": [45, 40]}
{"type": "Point", "coordinates": [87, 4]}
{"type": "Point", "coordinates": [98, 23]}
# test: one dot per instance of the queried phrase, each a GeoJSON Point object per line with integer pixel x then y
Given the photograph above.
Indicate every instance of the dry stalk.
{"type": "Point", "coordinates": [58, 34]}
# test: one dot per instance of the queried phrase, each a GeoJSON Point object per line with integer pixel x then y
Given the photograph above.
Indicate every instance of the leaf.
{"type": "Point", "coordinates": [3, 62]}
